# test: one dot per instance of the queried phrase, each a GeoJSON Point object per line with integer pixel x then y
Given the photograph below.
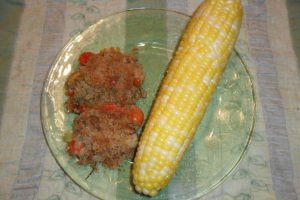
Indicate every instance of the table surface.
{"type": "Point", "coordinates": [33, 32]}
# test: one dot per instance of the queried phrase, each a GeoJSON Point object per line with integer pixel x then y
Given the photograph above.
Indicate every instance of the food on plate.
{"type": "Point", "coordinates": [105, 133]}
{"type": "Point", "coordinates": [103, 92]}
{"type": "Point", "coordinates": [107, 76]}
{"type": "Point", "coordinates": [185, 93]}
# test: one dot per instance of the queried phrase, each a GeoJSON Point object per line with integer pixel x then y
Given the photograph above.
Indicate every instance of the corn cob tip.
{"type": "Point", "coordinates": [145, 191]}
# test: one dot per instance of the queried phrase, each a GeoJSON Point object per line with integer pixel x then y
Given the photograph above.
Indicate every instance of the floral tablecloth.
{"type": "Point", "coordinates": [32, 33]}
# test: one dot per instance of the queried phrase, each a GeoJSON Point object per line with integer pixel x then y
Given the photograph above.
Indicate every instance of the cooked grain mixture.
{"type": "Point", "coordinates": [103, 92]}
{"type": "Point", "coordinates": [106, 134]}
{"type": "Point", "coordinates": [107, 76]}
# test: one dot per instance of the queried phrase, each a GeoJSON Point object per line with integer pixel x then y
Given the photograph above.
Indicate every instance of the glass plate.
{"type": "Point", "coordinates": [221, 139]}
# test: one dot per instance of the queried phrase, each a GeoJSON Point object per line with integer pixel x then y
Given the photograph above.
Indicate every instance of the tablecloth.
{"type": "Point", "coordinates": [32, 33]}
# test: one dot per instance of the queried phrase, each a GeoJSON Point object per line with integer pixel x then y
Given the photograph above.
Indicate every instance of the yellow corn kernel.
{"type": "Point", "coordinates": [192, 77]}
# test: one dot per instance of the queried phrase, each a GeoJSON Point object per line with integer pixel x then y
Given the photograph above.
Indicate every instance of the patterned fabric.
{"type": "Point", "coordinates": [269, 170]}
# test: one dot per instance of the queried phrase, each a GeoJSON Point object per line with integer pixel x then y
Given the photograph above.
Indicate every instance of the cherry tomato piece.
{"type": "Point", "coordinates": [136, 116]}
{"type": "Point", "coordinates": [74, 148]}
{"type": "Point", "coordinates": [137, 82]}
{"type": "Point", "coordinates": [70, 92]}
{"type": "Point", "coordinates": [82, 107]}
{"type": "Point", "coordinates": [109, 107]}
{"type": "Point", "coordinates": [84, 57]}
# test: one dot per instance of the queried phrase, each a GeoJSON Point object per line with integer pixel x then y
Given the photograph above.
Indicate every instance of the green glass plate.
{"type": "Point", "coordinates": [221, 139]}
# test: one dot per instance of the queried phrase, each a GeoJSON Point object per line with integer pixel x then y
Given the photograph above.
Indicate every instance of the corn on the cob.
{"type": "Point", "coordinates": [192, 76]}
